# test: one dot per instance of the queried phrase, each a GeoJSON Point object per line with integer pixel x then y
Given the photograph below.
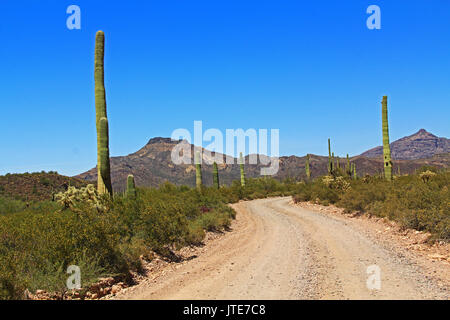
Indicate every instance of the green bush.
{"type": "Point", "coordinates": [415, 202]}
{"type": "Point", "coordinates": [8, 205]}
{"type": "Point", "coordinates": [39, 240]}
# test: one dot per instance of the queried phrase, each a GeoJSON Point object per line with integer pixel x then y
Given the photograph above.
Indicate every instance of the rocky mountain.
{"type": "Point", "coordinates": [36, 185]}
{"type": "Point", "coordinates": [152, 165]}
{"type": "Point", "coordinates": [420, 145]}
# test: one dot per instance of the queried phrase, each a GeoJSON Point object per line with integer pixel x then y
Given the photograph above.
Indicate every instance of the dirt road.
{"type": "Point", "coordinates": [279, 251]}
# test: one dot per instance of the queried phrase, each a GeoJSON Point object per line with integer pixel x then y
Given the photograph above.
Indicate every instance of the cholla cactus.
{"type": "Point", "coordinates": [367, 178]}
{"type": "Point", "coordinates": [338, 183]}
{"type": "Point", "coordinates": [427, 175]}
{"type": "Point", "coordinates": [67, 198]}
{"type": "Point", "coordinates": [74, 197]}
{"type": "Point", "coordinates": [341, 184]}
{"type": "Point", "coordinates": [327, 180]}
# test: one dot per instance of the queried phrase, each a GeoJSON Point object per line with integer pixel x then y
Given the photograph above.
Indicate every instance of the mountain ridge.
{"type": "Point", "coordinates": [420, 145]}
{"type": "Point", "coordinates": [151, 165]}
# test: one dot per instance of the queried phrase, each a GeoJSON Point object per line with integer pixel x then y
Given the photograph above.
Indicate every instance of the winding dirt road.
{"type": "Point", "coordinates": [280, 251]}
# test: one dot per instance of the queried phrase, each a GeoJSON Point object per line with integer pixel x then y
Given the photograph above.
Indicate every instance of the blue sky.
{"type": "Point", "coordinates": [309, 68]}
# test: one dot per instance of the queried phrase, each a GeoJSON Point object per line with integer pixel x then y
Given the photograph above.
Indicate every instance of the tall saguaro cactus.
{"type": "Point", "coordinates": [330, 163]}
{"type": "Point", "coordinates": [347, 168]}
{"type": "Point", "coordinates": [241, 165]}
{"type": "Point", "coordinates": [386, 147]}
{"type": "Point", "coordinates": [103, 165]}
{"type": "Point", "coordinates": [333, 165]}
{"type": "Point", "coordinates": [198, 171]}
{"type": "Point", "coordinates": [216, 176]}
{"type": "Point", "coordinates": [308, 172]}
{"type": "Point", "coordinates": [131, 187]}
{"type": "Point", "coordinates": [354, 172]}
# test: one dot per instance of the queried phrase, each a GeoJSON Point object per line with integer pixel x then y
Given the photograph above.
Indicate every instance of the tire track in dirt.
{"type": "Point", "coordinates": [279, 251]}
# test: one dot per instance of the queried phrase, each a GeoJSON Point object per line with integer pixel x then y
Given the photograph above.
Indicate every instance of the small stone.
{"type": "Point", "coordinates": [115, 289]}
{"type": "Point", "coordinates": [437, 256]}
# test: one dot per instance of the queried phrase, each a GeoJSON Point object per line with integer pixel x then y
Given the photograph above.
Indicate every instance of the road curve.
{"type": "Point", "coordinates": [280, 251]}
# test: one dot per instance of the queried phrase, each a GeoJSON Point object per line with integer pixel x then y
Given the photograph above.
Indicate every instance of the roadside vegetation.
{"type": "Point", "coordinates": [420, 201]}
{"type": "Point", "coordinates": [108, 236]}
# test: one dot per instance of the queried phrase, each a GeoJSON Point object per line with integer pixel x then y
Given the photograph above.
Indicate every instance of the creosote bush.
{"type": "Point", "coordinates": [419, 201]}
{"type": "Point", "coordinates": [107, 235]}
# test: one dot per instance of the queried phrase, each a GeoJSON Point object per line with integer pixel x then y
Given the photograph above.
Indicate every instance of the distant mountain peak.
{"type": "Point", "coordinates": [152, 164]}
{"type": "Point", "coordinates": [419, 145]}
{"type": "Point", "coordinates": [422, 133]}
{"type": "Point", "coordinates": [157, 140]}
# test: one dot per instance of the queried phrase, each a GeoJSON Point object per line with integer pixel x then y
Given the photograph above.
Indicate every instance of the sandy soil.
{"type": "Point", "coordinates": [277, 250]}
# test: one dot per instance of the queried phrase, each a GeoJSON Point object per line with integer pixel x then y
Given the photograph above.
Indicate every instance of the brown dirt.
{"type": "Point", "coordinates": [278, 250]}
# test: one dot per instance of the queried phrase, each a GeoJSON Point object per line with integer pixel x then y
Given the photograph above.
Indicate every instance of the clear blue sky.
{"type": "Point", "coordinates": [309, 68]}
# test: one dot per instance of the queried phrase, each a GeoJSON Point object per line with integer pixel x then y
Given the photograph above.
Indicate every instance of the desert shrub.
{"type": "Point", "coordinates": [107, 235]}
{"type": "Point", "coordinates": [45, 181]}
{"type": "Point", "coordinates": [195, 233]}
{"type": "Point", "coordinates": [412, 200]}
{"type": "Point", "coordinates": [37, 248]}
{"type": "Point", "coordinates": [39, 241]}
{"type": "Point", "coordinates": [8, 205]}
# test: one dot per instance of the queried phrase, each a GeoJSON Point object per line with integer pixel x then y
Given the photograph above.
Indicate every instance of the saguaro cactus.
{"type": "Point", "coordinates": [198, 171]}
{"type": "Point", "coordinates": [131, 187]}
{"type": "Point", "coordinates": [347, 168]}
{"type": "Point", "coordinates": [354, 171]}
{"type": "Point", "coordinates": [308, 173]}
{"type": "Point", "coordinates": [330, 163]}
{"type": "Point", "coordinates": [241, 165]}
{"type": "Point", "coordinates": [333, 165]}
{"type": "Point", "coordinates": [103, 165]}
{"type": "Point", "coordinates": [386, 147]}
{"type": "Point", "coordinates": [216, 176]}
